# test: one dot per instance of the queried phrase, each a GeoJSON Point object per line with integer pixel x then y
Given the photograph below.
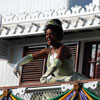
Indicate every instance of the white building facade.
{"type": "Point", "coordinates": [23, 24]}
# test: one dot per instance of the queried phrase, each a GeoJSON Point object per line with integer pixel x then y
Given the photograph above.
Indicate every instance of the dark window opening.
{"type": "Point", "coordinates": [91, 63]}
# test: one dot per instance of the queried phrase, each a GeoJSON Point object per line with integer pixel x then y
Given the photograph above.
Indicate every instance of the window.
{"type": "Point", "coordinates": [75, 50]}
{"type": "Point", "coordinates": [32, 72]}
{"type": "Point", "coordinates": [91, 62]}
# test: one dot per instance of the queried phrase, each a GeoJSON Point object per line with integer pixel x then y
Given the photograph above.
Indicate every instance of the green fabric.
{"type": "Point", "coordinates": [25, 59]}
{"type": "Point", "coordinates": [0, 96]}
{"type": "Point", "coordinates": [92, 94]}
{"type": "Point", "coordinates": [16, 97]}
{"type": "Point", "coordinates": [13, 96]}
{"type": "Point", "coordinates": [59, 96]}
{"type": "Point", "coordinates": [57, 62]}
{"type": "Point", "coordinates": [63, 72]}
{"type": "Point", "coordinates": [22, 61]}
{"type": "Point", "coordinates": [3, 98]}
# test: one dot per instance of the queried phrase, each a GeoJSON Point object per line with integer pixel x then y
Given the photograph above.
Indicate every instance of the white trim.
{"type": "Point", "coordinates": [33, 24]}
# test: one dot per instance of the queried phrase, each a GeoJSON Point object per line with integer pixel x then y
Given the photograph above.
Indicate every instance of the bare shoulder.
{"type": "Point", "coordinates": [64, 48]}
{"type": "Point", "coordinates": [64, 52]}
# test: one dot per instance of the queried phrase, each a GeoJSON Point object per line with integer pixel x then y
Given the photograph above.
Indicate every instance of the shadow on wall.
{"type": "Point", "coordinates": [82, 3]}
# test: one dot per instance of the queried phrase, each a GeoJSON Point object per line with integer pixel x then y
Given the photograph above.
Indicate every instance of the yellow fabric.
{"type": "Point", "coordinates": [13, 97]}
{"type": "Point", "coordinates": [1, 96]}
{"type": "Point", "coordinates": [80, 97]}
{"type": "Point", "coordinates": [64, 97]}
{"type": "Point", "coordinates": [87, 95]}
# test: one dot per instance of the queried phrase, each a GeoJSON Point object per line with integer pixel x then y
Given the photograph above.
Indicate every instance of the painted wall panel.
{"type": "Point", "coordinates": [21, 6]}
{"type": "Point", "coordinates": [7, 77]}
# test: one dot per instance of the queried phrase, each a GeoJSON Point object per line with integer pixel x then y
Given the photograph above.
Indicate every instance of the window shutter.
{"type": "Point", "coordinates": [32, 71]}
{"type": "Point", "coordinates": [3, 50]}
{"type": "Point", "coordinates": [74, 48]}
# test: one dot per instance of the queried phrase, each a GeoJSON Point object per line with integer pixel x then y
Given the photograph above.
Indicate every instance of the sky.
{"type": "Point", "coordinates": [79, 2]}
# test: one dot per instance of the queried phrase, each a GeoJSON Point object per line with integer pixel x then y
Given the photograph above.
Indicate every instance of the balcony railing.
{"type": "Point", "coordinates": [48, 91]}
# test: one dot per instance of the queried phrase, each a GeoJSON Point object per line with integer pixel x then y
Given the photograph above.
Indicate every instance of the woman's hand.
{"type": "Point", "coordinates": [16, 70]}
{"type": "Point", "coordinates": [43, 79]}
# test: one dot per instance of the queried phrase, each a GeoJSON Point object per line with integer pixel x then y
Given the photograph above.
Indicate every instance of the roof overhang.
{"type": "Point", "coordinates": [32, 24]}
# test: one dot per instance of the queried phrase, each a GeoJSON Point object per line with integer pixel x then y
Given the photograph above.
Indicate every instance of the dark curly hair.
{"type": "Point", "coordinates": [56, 26]}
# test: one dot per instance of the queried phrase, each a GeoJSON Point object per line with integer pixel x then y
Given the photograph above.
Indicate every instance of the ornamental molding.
{"type": "Point", "coordinates": [33, 23]}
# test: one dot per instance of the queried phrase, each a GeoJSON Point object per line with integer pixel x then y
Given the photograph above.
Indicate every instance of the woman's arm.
{"type": "Point", "coordinates": [56, 63]}
{"type": "Point", "coordinates": [64, 53]}
{"type": "Point", "coordinates": [36, 55]}
{"type": "Point", "coordinates": [41, 54]}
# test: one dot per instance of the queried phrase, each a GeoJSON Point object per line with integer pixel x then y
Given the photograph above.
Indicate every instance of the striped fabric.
{"type": "Point", "coordinates": [83, 94]}
{"type": "Point", "coordinates": [11, 97]}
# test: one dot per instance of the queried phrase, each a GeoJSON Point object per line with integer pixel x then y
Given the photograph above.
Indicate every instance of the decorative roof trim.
{"type": "Point", "coordinates": [34, 23]}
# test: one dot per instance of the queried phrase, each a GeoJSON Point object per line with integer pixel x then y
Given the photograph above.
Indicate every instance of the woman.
{"type": "Point", "coordinates": [60, 63]}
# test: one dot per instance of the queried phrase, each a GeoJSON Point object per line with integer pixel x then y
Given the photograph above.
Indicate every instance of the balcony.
{"type": "Point", "coordinates": [48, 91]}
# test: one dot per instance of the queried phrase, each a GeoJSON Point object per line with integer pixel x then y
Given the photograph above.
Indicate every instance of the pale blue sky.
{"type": "Point", "coordinates": [80, 2]}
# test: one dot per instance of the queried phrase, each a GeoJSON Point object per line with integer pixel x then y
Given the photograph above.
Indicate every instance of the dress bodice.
{"type": "Point", "coordinates": [66, 68]}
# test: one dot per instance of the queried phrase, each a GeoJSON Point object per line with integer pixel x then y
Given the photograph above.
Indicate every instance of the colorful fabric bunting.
{"type": "Point", "coordinates": [82, 94]}
{"type": "Point", "coordinates": [11, 97]}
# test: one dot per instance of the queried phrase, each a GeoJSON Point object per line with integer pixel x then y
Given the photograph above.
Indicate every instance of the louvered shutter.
{"type": "Point", "coordinates": [74, 48]}
{"type": "Point", "coordinates": [32, 72]}
{"type": "Point", "coordinates": [3, 50]}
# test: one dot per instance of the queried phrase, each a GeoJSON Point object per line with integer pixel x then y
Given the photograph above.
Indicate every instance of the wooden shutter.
{"type": "Point", "coordinates": [74, 48]}
{"type": "Point", "coordinates": [32, 72]}
{"type": "Point", "coordinates": [3, 50]}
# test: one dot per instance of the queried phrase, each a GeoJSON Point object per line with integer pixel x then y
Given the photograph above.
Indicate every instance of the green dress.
{"type": "Point", "coordinates": [65, 72]}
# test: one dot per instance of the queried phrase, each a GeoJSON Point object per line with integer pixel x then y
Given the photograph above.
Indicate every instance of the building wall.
{"type": "Point", "coordinates": [7, 78]}
{"type": "Point", "coordinates": [8, 57]}
{"type": "Point", "coordinates": [14, 50]}
{"type": "Point", "coordinates": [20, 6]}
{"type": "Point", "coordinates": [96, 2]}
{"type": "Point", "coordinates": [10, 53]}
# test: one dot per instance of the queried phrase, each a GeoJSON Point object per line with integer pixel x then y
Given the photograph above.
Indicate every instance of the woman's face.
{"type": "Point", "coordinates": [51, 37]}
